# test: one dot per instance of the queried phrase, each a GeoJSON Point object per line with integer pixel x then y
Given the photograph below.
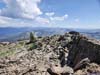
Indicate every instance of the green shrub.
{"type": "Point", "coordinates": [32, 46]}
{"type": "Point", "coordinates": [32, 38]}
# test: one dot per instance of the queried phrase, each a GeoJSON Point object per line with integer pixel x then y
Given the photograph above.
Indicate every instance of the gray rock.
{"type": "Point", "coordinates": [58, 70]}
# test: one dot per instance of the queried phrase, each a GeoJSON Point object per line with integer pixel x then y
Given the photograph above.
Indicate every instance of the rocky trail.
{"type": "Point", "coordinates": [68, 54]}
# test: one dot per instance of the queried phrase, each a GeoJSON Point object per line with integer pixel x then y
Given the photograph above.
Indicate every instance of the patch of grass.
{"type": "Point", "coordinates": [18, 46]}
{"type": "Point", "coordinates": [21, 43]}
{"type": "Point", "coordinates": [6, 53]}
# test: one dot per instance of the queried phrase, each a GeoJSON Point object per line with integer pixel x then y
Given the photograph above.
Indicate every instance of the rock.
{"type": "Point", "coordinates": [61, 38]}
{"type": "Point", "coordinates": [63, 58]}
{"type": "Point", "coordinates": [58, 70]}
{"type": "Point", "coordinates": [74, 32]}
{"type": "Point", "coordinates": [91, 69]}
{"type": "Point", "coordinates": [81, 48]}
{"type": "Point", "coordinates": [2, 65]}
{"type": "Point", "coordinates": [82, 64]}
{"type": "Point", "coordinates": [5, 43]}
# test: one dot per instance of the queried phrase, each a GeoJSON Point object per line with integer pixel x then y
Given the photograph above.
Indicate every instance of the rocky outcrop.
{"type": "Point", "coordinates": [82, 47]}
{"type": "Point", "coordinates": [68, 54]}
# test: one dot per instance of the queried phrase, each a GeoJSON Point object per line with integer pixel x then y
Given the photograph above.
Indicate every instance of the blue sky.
{"type": "Point", "coordinates": [50, 13]}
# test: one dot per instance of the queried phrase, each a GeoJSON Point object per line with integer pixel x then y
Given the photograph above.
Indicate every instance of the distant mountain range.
{"type": "Point", "coordinates": [14, 34]}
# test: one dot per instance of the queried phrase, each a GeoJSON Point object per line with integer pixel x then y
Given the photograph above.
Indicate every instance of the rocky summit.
{"type": "Point", "coordinates": [68, 54]}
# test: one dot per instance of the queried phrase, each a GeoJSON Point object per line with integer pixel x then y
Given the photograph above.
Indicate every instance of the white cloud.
{"type": "Point", "coordinates": [10, 22]}
{"type": "Point", "coordinates": [42, 20]}
{"type": "Point", "coordinates": [59, 18]}
{"type": "Point", "coordinates": [21, 9]}
{"type": "Point", "coordinates": [4, 20]}
{"type": "Point", "coordinates": [17, 12]}
{"type": "Point", "coordinates": [49, 14]}
{"type": "Point", "coordinates": [52, 16]}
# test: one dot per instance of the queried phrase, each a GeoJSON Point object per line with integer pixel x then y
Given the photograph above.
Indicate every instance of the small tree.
{"type": "Point", "coordinates": [32, 38]}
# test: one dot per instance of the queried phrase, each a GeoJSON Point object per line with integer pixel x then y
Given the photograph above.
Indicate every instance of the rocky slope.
{"type": "Point", "coordinates": [68, 54]}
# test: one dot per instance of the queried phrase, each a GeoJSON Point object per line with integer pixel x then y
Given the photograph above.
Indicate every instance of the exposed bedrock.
{"type": "Point", "coordinates": [82, 47]}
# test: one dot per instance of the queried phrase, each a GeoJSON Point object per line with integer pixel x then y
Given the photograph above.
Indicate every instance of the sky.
{"type": "Point", "coordinates": [50, 13]}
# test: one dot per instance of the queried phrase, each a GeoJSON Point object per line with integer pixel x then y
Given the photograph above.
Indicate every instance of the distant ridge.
{"type": "Point", "coordinates": [14, 34]}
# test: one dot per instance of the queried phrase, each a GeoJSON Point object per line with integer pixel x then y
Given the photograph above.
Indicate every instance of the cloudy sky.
{"type": "Point", "coordinates": [50, 13]}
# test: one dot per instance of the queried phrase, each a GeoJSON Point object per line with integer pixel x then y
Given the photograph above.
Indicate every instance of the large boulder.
{"type": "Point", "coordinates": [83, 47]}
